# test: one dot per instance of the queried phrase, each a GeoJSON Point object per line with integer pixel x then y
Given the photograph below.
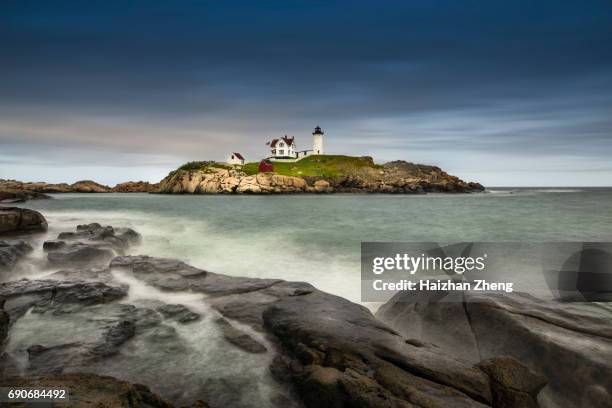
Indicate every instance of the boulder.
{"type": "Point", "coordinates": [81, 255]}
{"type": "Point", "coordinates": [91, 244]}
{"type": "Point", "coordinates": [569, 344]}
{"type": "Point", "coordinates": [18, 220]}
{"type": "Point", "coordinates": [322, 186]}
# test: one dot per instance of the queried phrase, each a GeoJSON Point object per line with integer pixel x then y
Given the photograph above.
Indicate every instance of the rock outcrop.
{"type": "Point", "coordinates": [12, 195]}
{"type": "Point", "coordinates": [21, 220]}
{"type": "Point", "coordinates": [333, 352]}
{"type": "Point", "coordinates": [12, 251]}
{"type": "Point", "coordinates": [394, 177]}
{"type": "Point", "coordinates": [568, 344]}
{"type": "Point", "coordinates": [227, 181]}
{"type": "Point", "coordinates": [91, 244]}
{"type": "Point", "coordinates": [83, 186]}
{"type": "Point", "coordinates": [136, 187]}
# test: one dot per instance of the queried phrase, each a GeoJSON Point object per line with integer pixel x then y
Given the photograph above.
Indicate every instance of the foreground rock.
{"type": "Point", "coordinates": [11, 252]}
{"type": "Point", "coordinates": [93, 391]}
{"type": "Point", "coordinates": [91, 244]}
{"type": "Point", "coordinates": [21, 220]}
{"type": "Point", "coordinates": [569, 344]}
{"type": "Point", "coordinates": [334, 352]}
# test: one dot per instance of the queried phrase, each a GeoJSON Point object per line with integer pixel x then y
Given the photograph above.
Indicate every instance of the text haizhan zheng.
{"type": "Point", "coordinates": [423, 263]}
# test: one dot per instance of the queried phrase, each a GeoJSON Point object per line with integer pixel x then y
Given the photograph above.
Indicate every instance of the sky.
{"type": "Point", "coordinates": [507, 93]}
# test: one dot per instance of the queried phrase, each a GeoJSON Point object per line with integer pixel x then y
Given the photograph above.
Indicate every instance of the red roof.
{"type": "Point", "coordinates": [238, 155]}
{"type": "Point", "coordinates": [286, 139]}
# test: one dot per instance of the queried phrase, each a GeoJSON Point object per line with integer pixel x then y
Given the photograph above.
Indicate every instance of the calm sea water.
{"type": "Point", "coordinates": [317, 238]}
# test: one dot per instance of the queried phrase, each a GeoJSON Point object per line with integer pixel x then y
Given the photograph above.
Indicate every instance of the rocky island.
{"type": "Point", "coordinates": [313, 174]}
{"type": "Point", "coordinates": [105, 323]}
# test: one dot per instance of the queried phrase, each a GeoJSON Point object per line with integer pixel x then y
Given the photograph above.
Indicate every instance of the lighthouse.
{"type": "Point", "coordinates": [317, 141]}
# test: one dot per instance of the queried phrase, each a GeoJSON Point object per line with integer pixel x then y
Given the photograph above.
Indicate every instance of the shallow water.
{"type": "Point", "coordinates": [317, 238]}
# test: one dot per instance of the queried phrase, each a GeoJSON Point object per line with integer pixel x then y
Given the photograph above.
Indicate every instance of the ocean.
{"type": "Point", "coordinates": [316, 238]}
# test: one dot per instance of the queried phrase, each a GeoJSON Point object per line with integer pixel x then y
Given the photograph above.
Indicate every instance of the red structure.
{"type": "Point", "coordinates": [265, 166]}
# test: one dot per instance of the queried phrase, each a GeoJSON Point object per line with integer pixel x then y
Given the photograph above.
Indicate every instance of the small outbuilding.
{"type": "Point", "coordinates": [266, 166]}
{"type": "Point", "coordinates": [235, 158]}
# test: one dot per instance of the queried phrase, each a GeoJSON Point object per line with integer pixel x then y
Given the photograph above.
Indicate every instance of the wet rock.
{"type": "Point", "coordinates": [53, 245]}
{"type": "Point", "coordinates": [91, 244]}
{"type": "Point", "coordinates": [355, 360]}
{"type": "Point", "coordinates": [94, 391]}
{"type": "Point", "coordinates": [178, 312]}
{"type": "Point", "coordinates": [18, 220]}
{"type": "Point", "coordinates": [80, 254]}
{"type": "Point", "coordinates": [116, 335]}
{"type": "Point", "coordinates": [569, 344]}
{"type": "Point", "coordinates": [11, 252]}
{"type": "Point", "coordinates": [239, 338]}
{"type": "Point", "coordinates": [24, 294]}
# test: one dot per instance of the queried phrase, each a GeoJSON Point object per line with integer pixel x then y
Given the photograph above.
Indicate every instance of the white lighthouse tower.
{"type": "Point", "coordinates": [317, 141]}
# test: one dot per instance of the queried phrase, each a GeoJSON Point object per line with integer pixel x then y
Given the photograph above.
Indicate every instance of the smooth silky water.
{"type": "Point", "coordinates": [312, 238]}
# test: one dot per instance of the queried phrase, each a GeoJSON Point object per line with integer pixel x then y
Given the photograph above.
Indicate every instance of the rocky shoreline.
{"type": "Point", "coordinates": [396, 177]}
{"type": "Point", "coordinates": [319, 349]}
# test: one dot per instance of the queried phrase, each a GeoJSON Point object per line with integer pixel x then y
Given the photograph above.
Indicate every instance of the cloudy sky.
{"type": "Point", "coordinates": [502, 92]}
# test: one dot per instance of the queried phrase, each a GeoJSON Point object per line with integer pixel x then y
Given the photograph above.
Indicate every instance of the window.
{"type": "Point", "coordinates": [281, 152]}
{"type": "Point", "coordinates": [281, 144]}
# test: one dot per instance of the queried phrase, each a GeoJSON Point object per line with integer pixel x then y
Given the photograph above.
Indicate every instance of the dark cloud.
{"type": "Point", "coordinates": [421, 80]}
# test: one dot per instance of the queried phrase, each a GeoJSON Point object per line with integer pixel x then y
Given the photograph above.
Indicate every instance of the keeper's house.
{"type": "Point", "coordinates": [285, 149]}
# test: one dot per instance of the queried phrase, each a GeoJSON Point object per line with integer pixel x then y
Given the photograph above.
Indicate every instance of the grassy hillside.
{"type": "Point", "coordinates": [317, 166]}
{"type": "Point", "coordinates": [202, 165]}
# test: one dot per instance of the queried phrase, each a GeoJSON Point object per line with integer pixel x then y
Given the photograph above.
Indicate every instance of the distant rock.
{"type": "Point", "coordinates": [83, 186]}
{"type": "Point", "coordinates": [88, 186]}
{"type": "Point", "coordinates": [569, 344]}
{"type": "Point", "coordinates": [136, 187]}
{"type": "Point", "coordinates": [18, 220]}
{"type": "Point", "coordinates": [12, 195]}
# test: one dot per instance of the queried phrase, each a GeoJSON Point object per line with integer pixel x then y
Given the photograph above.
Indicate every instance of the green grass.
{"type": "Point", "coordinates": [317, 166]}
{"type": "Point", "coordinates": [202, 165]}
